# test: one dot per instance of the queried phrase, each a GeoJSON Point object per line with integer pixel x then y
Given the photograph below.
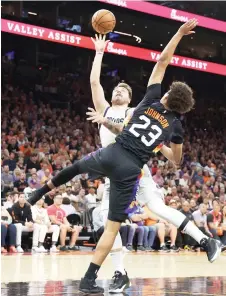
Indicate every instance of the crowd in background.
{"type": "Point", "coordinates": [39, 139]}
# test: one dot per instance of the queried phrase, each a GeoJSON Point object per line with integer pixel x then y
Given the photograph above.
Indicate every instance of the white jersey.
{"type": "Point", "coordinates": [116, 116]}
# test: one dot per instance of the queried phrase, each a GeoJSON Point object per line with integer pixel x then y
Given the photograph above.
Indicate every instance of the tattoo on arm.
{"type": "Point", "coordinates": [115, 128]}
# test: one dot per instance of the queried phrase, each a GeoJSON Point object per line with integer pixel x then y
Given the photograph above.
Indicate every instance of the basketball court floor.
{"type": "Point", "coordinates": [152, 274]}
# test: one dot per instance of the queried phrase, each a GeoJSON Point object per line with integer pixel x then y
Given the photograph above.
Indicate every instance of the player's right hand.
{"type": "Point", "coordinates": [95, 116]}
{"type": "Point", "coordinates": [100, 42]}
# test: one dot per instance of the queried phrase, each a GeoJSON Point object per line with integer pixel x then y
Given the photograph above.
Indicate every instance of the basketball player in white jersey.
{"type": "Point", "coordinates": [113, 117]}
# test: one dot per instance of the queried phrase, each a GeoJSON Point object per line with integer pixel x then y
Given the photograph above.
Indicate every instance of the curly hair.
{"type": "Point", "coordinates": [180, 97]}
{"type": "Point", "coordinates": [127, 87]}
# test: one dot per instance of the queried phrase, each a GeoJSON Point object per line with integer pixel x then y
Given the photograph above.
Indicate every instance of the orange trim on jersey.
{"type": "Point", "coordinates": [158, 148]}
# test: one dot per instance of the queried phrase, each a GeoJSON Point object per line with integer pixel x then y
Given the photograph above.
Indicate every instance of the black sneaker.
{"type": "Point", "coordinates": [212, 248]}
{"type": "Point", "coordinates": [141, 249]}
{"type": "Point", "coordinates": [34, 197]}
{"type": "Point", "coordinates": [89, 286]}
{"type": "Point", "coordinates": [164, 249]}
{"type": "Point", "coordinates": [74, 248]}
{"type": "Point", "coordinates": [120, 283]}
{"type": "Point", "coordinates": [130, 248]}
{"type": "Point", "coordinates": [149, 249]}
{"type": "Point", "coordinates": [174, 249]}
{"type": "Point", "coordinates": [64, 248]}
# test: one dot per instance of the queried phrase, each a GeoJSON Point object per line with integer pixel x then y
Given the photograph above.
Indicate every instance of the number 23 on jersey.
{"type": "Point", "coordinates": [152, 136]}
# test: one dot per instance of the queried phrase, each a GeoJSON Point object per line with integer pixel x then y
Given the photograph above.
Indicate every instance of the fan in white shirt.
{"type": "Point", "coordinates": [91, 198]}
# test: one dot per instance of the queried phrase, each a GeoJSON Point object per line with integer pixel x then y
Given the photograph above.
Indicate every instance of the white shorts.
{"type": "Point", "coordinates": [147, 189]}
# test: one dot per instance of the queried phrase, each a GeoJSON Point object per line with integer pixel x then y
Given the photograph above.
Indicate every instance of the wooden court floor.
{"type": "Point", "coordinates": [151, 274]}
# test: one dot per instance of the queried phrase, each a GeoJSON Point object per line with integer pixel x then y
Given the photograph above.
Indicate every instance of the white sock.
{"type": "Point", "coordinates": [194, 232]}
{"type": "Point", "coordinates": [162, 244]}
{"type": "Point", "coordinates": [117, 261]}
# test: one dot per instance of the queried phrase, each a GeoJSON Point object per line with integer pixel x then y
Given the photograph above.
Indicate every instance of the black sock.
{"type": "Point", "coordinates": [67, 174]}
{"type": "Point", "coordinates": [92, 271]}
{"type": "Point", "coordinates": [43, 190]}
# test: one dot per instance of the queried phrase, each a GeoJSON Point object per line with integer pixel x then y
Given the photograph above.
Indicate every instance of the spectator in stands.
{"type": "Point", "coordinates": [188, 241]}
{"type": "Point", "coordinates": [193, 205]}
{"type": "Point", "coordinates": [58, 217]}
{"type": "Point", "coordinates": [34, 181]}
{"type": "Point", "coordinates": [154, 167]}
{"type": "Point", "coordinates": [198, 176]}
{"type": "Point", "coordinates": [22, 218]}
{"type": "Point", "coordinates": [138, 216]}
{"type": "Point", "coordinates": [91, 198]}
{"type": "Point", "coordinates": [13, 145]}
{"type": "Point", "coordinates": [166, 189]}
{"type": "Point", "coordinates": [43, 173]}
{"type": "Point", "coordinates": [98, 221]}
{"type": "Point", "coordinates": [43, 224]}
{"type": "Point", "coordinates": [214, 220]}
{"type": "Point", "coordinates": [33, 163]}
{"type": "Point", "coordinates": [7, 229]}
{"type": "Point", "coordinates": [200, 219]}
{"type": "Point", "coordinates": [11, 162]}
{"type": "Point", "coordinates": [185, 180]}
{"type": "Point", "coordinates": [100, 190]}
{"type": "Point", "coordinates": [164, 229]}
{"type": "Point", "coordinates": [29, 174]}
{"type": "Point", "coordinates": [80, 201]}
{"type": "Point", "coordinates": [7, 179]}
{"type": "Point", "coordinates": [223, 225]}
{"type": "Point", "coordinates": [47, 176]}
{"type": "Point", "coordinates": [9, 200]}
{"type": "Point", "coordinates": [67, 207]}
{"type": "Point", "coordinates": [158, 178]}
{"type": "Point", "coordinates": [21, 184]}
{"type": "Point", "coordinates": [83, 181]}
{"type": "Point", "coordinates": [68, 192]}
{"type": "Point", "coordinates": [28, 190]}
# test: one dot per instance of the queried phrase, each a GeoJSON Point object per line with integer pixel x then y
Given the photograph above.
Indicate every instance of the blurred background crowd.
{"type": "Point", "coordinates": [45, 94]}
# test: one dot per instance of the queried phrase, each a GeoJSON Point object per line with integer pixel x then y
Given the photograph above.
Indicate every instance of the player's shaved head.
{"type": "Point", "coordinates": [180, 98]}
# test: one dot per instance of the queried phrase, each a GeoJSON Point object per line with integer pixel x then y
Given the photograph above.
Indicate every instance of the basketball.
{"type": "Point", "coordinates": [103, 21]}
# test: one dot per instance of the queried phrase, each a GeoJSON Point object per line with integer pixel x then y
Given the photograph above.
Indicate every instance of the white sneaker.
{"type": "Point", "coordinates": [42, 249]}
{"type": "Point", "coordinates": [19, 249]}
{"type": "Point", "coordinates": [35, 250]}
{"type": "Point", "coordinates": [54, 249]}
{"type": "Point", "coordinates": [125, 250]}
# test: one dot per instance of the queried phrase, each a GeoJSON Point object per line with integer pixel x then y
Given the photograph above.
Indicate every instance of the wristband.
{"type": "Point", "coordinates": [99, 52]}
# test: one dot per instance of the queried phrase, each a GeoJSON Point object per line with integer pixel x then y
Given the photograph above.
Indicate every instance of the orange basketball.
{"type": "Point", "coordinates": [103, 21]}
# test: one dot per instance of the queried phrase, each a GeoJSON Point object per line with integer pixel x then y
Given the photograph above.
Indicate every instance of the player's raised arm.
{"type": "Point", "coordinates": [168, 52]}
{"type": "Point", "coordinates": [97, 90]}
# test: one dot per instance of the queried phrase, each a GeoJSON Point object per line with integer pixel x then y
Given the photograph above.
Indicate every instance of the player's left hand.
{"type": "Point", "coordinates": [95, 116]}
{"type": "Point", "coordinates": [187, 28]}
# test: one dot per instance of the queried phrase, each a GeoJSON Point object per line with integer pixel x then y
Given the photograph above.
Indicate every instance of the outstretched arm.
{"type": "Point", "coordinates": [167, 54]}
{"type": "Point", "coordinates": [99, 100]}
